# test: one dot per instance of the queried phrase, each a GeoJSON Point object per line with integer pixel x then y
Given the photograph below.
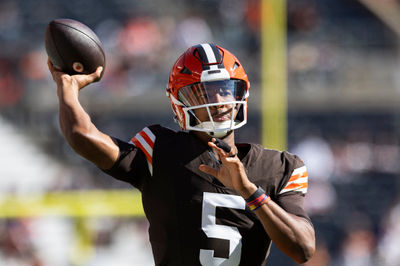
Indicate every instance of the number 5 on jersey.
{"type": "Point", "coordinates": [208, 223]}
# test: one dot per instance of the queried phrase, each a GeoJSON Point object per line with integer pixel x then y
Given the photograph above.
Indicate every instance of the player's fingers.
{"type": "Point", "coordinates": [218, 149]}
{"type": "Point", "coordinates": [49, 64]}
{"type": "Point", "coordinates": [95, 76]}
{"type": "Point", "coordinates": [221, 152]}
{"type": "Point", "coordinates": [56, 74]}
{"type": "Point", "coordinates": [212, 145]}
{"type": "Point", "coordinates": [222, 144]}
{"type": "Point", "coordinates": [99, 73]}
{"type": "Point", "coordinates": [208, 170]}
{"type": "Point", "coordinates": [84, 80]}
{"type": "Point", "coordinates": [52, 68]}
{"type": "Point", "coordinates": [99, 70]}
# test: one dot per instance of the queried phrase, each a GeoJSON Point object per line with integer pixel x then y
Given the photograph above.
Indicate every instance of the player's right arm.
{"type": "Point", "coordinates": [76, 125]}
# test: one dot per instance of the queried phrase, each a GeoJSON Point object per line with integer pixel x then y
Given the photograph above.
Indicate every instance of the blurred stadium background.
{"type": "Point", "coordinates": [343, 119]}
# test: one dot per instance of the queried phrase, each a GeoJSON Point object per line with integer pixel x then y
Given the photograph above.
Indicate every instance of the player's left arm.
{"type": "Point", "coordinates": [292, 234]}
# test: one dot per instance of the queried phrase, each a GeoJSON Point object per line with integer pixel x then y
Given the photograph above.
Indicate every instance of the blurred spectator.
{"type": "Point", "coordinates": [11, 90]}
{"type": "Point", "coordinates": [10, 21]}
{"type": "Point", "coordinates": [302, 16]}
{"type": "Point", "coordinates": [318, 157]}
{"type": "Point", "coordinates": [322, 256]}
{"type": "Point", "coordinates": [361, 152]}
{"type": "Point", "coordinates": [253, 15]}
{"type": "Point", "coordinates": [33, 65]}
{"type": "Point", "coordinates": [387, 153]}
{"type": "Point", "coordinates": [16, 248]}
{"type": "Point", "coordinates": [321, 197]}
{"type": "Point", "coordinates": [192, 30]}
{"type": "Point", "coordinates": [359, 156]}
{"type": "Point", "coordinates": [388, 247]}
{"type": "Point", "coordinates": [140, 37]}
{"type": "Point", "coordinates": [358, 249]}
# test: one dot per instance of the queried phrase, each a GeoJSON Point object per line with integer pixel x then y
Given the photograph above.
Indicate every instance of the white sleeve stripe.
{"type": "Point", "coordinates": [299, 170]}
{"type": "Point", "coordinates": [150, 167]}
{"type": "Point", "coordinates": [149, 134]}
{"type": "Point", "coordinates": [303, 190]}
{"type": "Point", "coordinates": [146, 146]}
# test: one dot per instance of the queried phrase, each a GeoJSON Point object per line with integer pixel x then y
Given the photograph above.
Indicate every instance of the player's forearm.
{"type": "Point", "coordinates": [291, 234]}
{"type": "Point", "coordinates": [81, 134]}
{"type": "Point", "coordinates": [75, 123]}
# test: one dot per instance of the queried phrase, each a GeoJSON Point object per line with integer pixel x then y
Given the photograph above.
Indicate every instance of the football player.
{"type": "Point", "coordinates": [208, 200]}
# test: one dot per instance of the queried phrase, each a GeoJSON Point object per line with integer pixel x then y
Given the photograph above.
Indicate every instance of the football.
{"type": "Point", "coordinates": [73, 47]}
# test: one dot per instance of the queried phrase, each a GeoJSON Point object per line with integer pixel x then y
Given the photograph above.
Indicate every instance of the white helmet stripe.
{"type": "Point", "coordinates": [209, 71]}
{"type": "Point", "coordinates": [209, 53]}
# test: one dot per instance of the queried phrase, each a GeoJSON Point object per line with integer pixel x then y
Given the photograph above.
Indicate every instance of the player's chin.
{"type": "Point", "coordinates": [222, 119]}
{"type": "Point", "coordinates": [227, 116]}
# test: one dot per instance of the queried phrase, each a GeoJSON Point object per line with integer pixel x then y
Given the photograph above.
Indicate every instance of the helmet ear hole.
{"type": "Point", "coordinates": [186, 70]}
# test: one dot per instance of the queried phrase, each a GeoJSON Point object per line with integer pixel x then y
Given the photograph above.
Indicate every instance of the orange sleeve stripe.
{"type": "Point", "coordinates": [297, 176]}
{"type": "Point", "coordinates": [296, 186]}
{"type": "Point", "coordinates": [140, 146]}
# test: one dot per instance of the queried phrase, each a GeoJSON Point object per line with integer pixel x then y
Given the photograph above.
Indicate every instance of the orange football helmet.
{"type": "Point", "coordinates": [208, 77]}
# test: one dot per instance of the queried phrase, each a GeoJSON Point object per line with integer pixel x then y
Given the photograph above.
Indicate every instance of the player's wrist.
{"type": "Point", "coordinates": [67, 90]}
{"type": "Point", "coordinates": [257, 199]}
{"type": "Point", "coordinates": [248, 190]}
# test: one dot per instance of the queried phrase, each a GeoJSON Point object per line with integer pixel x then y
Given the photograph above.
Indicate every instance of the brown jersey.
{"type": "Point", "coordinates": [194, 219]}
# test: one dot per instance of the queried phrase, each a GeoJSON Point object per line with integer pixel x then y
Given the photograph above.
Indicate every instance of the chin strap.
{"type": "Point", "coordinates": [221, 134]}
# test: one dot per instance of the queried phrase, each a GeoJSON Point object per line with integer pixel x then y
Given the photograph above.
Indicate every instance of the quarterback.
{"type": "Point", "coordinates": [208, 200]}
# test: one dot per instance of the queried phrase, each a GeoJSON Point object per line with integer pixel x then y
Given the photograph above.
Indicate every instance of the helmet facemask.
{"type": "Point", "coordinates": [215, 107]}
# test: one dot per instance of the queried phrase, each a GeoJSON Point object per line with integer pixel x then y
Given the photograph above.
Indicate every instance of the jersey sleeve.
{"type": "Point", "coordinates": [298, 181]}
{"type": "Point", "coordinates": [131, 165]}
{"type": "Point", "coordinates": [144, 140]}
{"type": "Point", "coordinates": [294, 187]}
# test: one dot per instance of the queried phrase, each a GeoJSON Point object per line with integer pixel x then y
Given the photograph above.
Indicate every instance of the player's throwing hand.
{"type": "Point", "coordinates": [75, 81]}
